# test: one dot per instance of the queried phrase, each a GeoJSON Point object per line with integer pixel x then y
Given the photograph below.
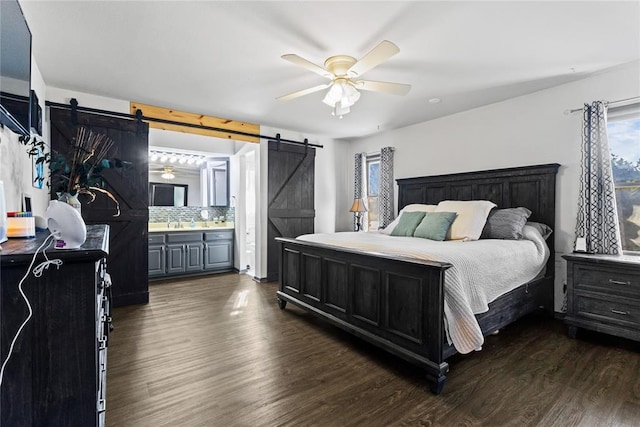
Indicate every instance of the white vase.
{"type": "Point", "coordinates": [71, 200]}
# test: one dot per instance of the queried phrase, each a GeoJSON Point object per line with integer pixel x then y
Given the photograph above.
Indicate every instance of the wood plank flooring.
{"type": "Point", "coordinates": [217, 351]}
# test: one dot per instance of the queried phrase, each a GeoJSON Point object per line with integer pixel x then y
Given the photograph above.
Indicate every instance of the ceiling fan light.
{"type": "Point", "coordinates": [352, 95]}
{"type": "Point", "coordinates": [339, 110]}
{"type": "Point", "coordinates": [168, 173]}
{"type": "Point", "coordinates": [334, 94]}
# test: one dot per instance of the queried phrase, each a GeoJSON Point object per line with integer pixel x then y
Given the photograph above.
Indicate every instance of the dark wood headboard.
{"type": "Point", "coordinates": [532, 187]}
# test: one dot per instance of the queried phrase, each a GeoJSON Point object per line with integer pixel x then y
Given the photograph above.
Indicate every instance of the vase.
{"type": "Point", "coordinates": [71, 200]}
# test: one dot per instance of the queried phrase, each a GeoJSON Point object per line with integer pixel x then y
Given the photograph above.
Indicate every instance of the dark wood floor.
{"type": "Point", "coordinates": [217, 351]}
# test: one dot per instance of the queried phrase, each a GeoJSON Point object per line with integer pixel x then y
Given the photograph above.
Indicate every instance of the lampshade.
{"type": "Point", "coordinates": [358, 206]}
{"type": "Point", "coordinates": [340, 110]}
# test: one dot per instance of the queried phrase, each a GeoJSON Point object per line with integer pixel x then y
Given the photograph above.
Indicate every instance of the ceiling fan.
{"type": "Point", "coordinates": [343, 71]}
{"type": "Point", "coordinates": [167, 172]}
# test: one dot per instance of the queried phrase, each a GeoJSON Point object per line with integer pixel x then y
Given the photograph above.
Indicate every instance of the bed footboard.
{"type": "Point", "coordinates": [395, 303]}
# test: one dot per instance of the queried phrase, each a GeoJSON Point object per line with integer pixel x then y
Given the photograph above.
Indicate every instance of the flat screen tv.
{"type": "Point", "coordinates": [15, 68]}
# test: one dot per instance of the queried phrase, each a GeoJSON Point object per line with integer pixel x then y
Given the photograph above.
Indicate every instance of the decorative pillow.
{"type": "Point", "coordinates": [472, 215]}
{"type": "Point", "coordinates": [416, 207]}
{"type": "Point", "coordinates": [505, 223]}
{"type": "Point", "coordinates": [544, 230]}
{"type": "Point", "coordinates": [408, 223]}
{"type": "Point", "coordinates": [434, 225]}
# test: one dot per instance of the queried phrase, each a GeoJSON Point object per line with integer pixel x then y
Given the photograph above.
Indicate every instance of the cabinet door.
{"type": "Point", "coordinates": [175, 258]}
{"type": "Point", "coordinates": [219, 255]}
{"type": "Point", "coordinates": [194, 252]}
{"type": "Point", "coordinates": [156, 261]}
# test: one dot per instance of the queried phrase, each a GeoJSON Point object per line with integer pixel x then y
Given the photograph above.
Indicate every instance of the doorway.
{"type": "Point", "coordinates": [249, 256]}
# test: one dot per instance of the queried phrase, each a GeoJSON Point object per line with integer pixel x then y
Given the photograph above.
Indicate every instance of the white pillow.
{"type": "Point", "coordinates": [472, 216]}
{"type": "Point", "coordinates": [416, 207]}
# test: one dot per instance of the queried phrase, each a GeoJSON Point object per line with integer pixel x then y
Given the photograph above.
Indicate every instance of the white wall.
{"type": "Point", "coordinates": [16, 165]}
{"type": "Point", "coordinates": [63, 96]}
{"type": "Point", "coordinates": [527, 130]}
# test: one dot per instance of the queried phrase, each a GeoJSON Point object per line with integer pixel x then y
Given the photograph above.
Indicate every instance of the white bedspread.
{"type": "Point", "coordinates": [482, 271]}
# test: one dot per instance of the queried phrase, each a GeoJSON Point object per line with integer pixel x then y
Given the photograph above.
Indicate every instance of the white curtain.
{"type": "Point", "coordinates": [597, 213]}
{"type": "Point", "coordinates": [385, 199]}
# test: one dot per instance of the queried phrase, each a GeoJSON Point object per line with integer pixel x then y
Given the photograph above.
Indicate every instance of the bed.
{"type": "Point", "coordinates": [397, 302]}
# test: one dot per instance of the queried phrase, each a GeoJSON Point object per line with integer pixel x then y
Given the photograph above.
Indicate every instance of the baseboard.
{"type": "Point", "coordinates": [194, 274]}
{"type": "Point", "coordinates": [559, 315]}
{"type": "Point", "coordinates": [272, 277]}
{"type": "Point", "coordinates": [130, 299]}
{"type": "Point", "coordinates": [261, 279]}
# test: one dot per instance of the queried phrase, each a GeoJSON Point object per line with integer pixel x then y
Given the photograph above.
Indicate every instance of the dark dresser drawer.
{"type": "Point", "coordinates": [618, 281]}
{"type": "Point", "coordinates": [623, 313]}
{"type": "Point", "coordinates": [603, 294]}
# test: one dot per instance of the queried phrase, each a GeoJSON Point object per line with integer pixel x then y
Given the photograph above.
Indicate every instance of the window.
{"type": "Point", "coordinates": [623, 131]}
{"type": "Point", "coordinates": [373, 191]}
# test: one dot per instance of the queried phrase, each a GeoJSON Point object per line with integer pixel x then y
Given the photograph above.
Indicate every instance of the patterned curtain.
{"type": "Point", "coordinates": [385, 200]}
{"type": "Point", "coordinates": [360, 187]}
{"type": "Point", "coordinates": [597, 215]}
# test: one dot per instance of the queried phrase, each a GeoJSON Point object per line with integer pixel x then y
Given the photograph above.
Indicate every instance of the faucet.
{"type": "Point", "coordinates": [179, 225]}
{"type": "Point", "coordinates": [168, 221]}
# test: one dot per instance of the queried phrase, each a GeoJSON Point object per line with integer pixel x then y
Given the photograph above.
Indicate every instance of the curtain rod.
{"type": "Point", "coordinates": [73, 106]}
{"type": "Point", "coordinates": [619, 101]}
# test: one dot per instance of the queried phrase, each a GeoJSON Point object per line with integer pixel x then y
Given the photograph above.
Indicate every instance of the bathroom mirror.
{"type": "Point", "coordinates": [163, 194]}
{"type": "Point", "coordinates": [188, 156]}
{"type": "Point", "coordinates": [216, 175]}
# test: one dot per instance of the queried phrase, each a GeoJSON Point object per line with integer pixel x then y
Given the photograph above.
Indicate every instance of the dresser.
{"type": "Point", "coordinates": [57, 373]}
{"type": "Point", "coordinates": [603, 294]}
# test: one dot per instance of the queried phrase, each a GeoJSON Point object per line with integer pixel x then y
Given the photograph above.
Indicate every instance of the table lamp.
{"type": "Point", "coordinates": [358, 207]}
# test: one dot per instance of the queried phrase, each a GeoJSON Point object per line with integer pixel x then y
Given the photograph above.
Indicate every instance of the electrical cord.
{"type": "Point", "coordinates": [37, 272]}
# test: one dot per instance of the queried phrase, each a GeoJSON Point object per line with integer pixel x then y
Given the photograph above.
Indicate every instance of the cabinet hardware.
{"type": "Point", "coordinates": [618, 282]}
{"type": "Point", "coordinates": [624, 313]}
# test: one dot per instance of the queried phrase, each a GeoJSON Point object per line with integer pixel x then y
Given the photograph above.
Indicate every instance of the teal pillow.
{"type": "Point", "coordinates": [434, 225]}
{"type": "Point", "coordinates": [408, 223]}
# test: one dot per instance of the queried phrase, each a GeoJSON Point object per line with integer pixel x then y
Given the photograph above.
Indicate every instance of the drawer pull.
{"type": "Point", "coordinates": [618, 282]}
{"type": "Point", "coordinates": [624, 313]}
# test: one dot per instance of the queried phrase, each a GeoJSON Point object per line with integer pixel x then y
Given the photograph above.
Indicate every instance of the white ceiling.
{"type": "Point", "coordinates": [223, 58]}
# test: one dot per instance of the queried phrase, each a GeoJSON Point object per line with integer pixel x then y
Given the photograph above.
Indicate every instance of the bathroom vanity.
{"type": "Point", "coordinates": [190, 251]}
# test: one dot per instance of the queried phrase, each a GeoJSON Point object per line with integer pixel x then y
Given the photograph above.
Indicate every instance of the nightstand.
{"type": "Point", "coordinates": [603, 294]}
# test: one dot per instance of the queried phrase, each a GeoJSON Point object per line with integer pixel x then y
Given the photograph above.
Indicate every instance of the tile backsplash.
{"type": "Point", "coordinates": [186, 213]}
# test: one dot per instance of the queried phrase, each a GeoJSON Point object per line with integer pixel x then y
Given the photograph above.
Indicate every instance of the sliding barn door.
{"type": "Point", "coordinates": [290, 194]}
{"type": "Point", "coordinates": [128, 254]}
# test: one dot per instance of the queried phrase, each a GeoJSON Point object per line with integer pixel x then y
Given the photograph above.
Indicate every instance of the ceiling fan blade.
{"type": "Point", "coordinates": [375, 57]}
{"type": "Point", "coordinates": [303, 92]}
{"type": "Point", "coordinates": [295, 59]}
{"type": "Point", "coordinates": [386, 87]}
